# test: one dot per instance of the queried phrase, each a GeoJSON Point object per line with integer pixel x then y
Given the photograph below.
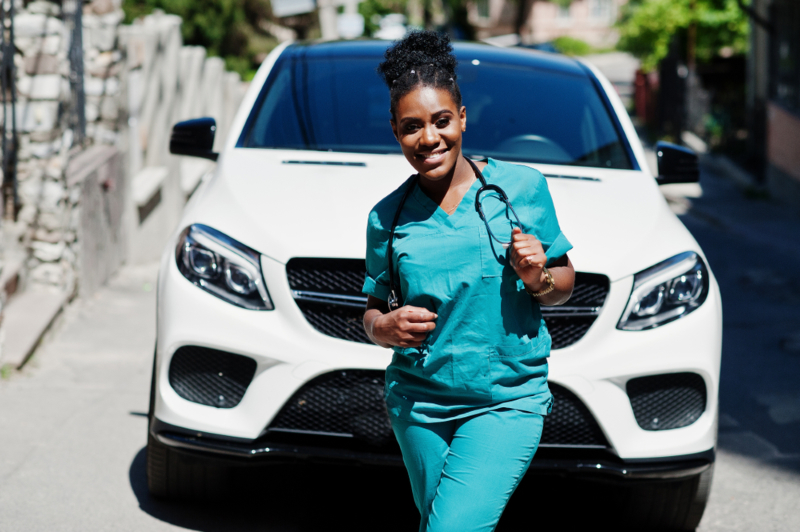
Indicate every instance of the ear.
{"type": "Point", "coordinates": [462, 116]}
{"type": "Point", "coordinates": [394, 129]}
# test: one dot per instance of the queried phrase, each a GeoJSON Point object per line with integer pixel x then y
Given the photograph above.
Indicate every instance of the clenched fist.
{"type": "Point", "coordinates": [526, 256]}
{"type": "Point", "coordinates": [405, 327]}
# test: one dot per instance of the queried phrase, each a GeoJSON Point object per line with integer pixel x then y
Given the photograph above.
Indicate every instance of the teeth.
{"type": "Point", "coordinates": [433, 155]}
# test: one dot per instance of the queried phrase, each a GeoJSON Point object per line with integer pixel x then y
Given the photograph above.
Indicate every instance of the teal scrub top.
{"type": "Point", "coordinates": [490, 346]}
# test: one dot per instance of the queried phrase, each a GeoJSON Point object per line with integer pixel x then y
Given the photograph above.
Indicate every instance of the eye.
{"type": "Point", "coordinates": [443, 122]}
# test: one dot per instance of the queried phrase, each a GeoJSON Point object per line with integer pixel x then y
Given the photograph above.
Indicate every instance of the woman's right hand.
{"type": "Point", "coordinates": [405, 327]}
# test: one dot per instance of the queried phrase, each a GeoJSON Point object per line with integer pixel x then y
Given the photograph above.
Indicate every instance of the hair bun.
{"type": "Point", "coordinates": [418, 48]}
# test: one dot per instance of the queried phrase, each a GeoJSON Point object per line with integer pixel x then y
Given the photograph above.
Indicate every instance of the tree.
{"type": "Point", "coordinates": [226, 28]}
{"type": "Point", "coordinates": [648, 27]}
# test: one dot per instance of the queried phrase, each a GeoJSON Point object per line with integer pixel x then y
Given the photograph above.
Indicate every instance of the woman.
{"type": "Point", "coordinates": [467, 387]}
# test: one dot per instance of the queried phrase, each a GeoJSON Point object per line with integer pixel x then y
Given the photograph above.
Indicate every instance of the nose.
{"type": "Point", "coordinates": [430, 136]}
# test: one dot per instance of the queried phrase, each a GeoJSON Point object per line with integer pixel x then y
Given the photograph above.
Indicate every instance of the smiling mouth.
{"type": "Point", "coordinates": [432, 157]}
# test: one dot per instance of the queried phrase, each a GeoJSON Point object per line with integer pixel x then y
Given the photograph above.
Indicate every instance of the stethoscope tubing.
{"type": "Point", "coordinates": [395, 297]}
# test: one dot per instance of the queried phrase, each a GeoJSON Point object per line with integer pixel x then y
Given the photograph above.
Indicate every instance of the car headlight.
{"type": "Point", "coordinates": [222, 266]}
{"type": "Point", "coordinates": [665, 292]}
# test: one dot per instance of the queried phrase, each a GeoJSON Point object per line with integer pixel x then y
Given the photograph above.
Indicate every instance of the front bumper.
{"type": "Point", "coordinates": [603, 466]}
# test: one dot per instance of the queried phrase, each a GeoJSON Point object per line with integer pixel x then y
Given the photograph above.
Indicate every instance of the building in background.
{"type": "Point", "coordinates": [539, 21]}
{"type": "Point", "coordinates": [774, 95]}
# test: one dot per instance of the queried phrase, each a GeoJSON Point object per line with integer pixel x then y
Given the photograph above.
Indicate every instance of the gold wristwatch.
{"type": "Point", "coordinates": [551, 285]}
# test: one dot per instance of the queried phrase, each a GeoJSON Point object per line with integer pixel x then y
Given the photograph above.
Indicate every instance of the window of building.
{"type": "Point", "coordinates": [483, 9]}
{"type": "Point", "coordinates": [602, 10]}
{"type": "Point", "coordinates": [785, 55]}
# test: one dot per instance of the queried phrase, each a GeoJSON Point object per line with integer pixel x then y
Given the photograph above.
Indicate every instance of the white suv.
{"type": "Point", "coordinates": [261, 351]}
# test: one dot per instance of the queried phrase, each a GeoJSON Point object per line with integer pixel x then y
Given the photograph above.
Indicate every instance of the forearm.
{"type": "Point", "coordinates": [370, 317]}
{"type": "Point", "coordinates": [563, 281]}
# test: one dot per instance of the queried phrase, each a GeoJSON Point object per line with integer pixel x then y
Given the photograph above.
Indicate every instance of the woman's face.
{"type": "Point", "coordinates": [428, 126]}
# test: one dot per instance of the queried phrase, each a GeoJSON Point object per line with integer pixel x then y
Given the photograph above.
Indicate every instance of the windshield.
{"type": "Point", "coordinates": [514, 113]}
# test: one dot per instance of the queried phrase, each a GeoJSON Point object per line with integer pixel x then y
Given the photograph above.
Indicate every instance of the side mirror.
{"type": "Point", "coordinates": [676, 164]}
{"type": "Point", "coordinates": [194, 138]}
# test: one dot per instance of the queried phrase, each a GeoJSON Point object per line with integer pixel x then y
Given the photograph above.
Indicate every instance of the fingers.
{"type": "Point", "coordinates": [412, 340]}
{"type": "Point", "coordinates": [423, 327]}
{"type": "Point", "coordinates": [528, 258]}
{"type": "Point", "coordinates": [518, 236]}
{"type": "Point", "coordinates": [418, 314]}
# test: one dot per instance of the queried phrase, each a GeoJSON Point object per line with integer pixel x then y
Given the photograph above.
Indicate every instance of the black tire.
{"type": "Point", "coordinates": [676, 505]}
{"type": "Point", "coordinates": [172, 475]}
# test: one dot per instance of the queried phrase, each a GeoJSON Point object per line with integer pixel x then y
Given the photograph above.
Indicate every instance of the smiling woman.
{"type": "Point", "coordinates": [467, 387]}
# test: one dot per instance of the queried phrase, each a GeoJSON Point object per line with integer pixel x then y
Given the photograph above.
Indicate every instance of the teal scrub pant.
{"type": "Point", "coordinates": [464, 471]}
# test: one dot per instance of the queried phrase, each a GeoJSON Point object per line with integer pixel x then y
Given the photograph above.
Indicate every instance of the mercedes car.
{"type": "Point", "coordinates": [261, 354]}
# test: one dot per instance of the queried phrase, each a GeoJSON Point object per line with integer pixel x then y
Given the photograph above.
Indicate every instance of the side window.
{"type": "Point", "coordinates": [589, 133]}
{"type": "Point", "coordinates": [274, 105]}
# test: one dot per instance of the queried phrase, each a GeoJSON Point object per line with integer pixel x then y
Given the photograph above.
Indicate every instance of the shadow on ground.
{"type": "Point", "coordinates": [295, 498]}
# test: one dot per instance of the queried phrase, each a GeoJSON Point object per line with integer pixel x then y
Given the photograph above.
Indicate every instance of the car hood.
{"type": "Point", "coordinates": [286, 203]}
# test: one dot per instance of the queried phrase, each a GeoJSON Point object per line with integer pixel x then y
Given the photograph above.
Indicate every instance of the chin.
{"type": "Point", "coordinates": [440, 171]}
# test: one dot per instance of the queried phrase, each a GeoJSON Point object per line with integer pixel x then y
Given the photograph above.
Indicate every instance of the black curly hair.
{"type": "Point", "coordinates": [421, 58]}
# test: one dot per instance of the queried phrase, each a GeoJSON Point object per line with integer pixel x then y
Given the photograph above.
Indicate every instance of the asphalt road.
{"type": "Point", "coordinates": [73, 425]}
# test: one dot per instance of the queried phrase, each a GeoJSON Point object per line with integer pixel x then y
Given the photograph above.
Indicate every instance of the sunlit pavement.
{"type": "Point", "coordinates": [73, 426]}
{"type": "Point", "coordinates": [753, 246]}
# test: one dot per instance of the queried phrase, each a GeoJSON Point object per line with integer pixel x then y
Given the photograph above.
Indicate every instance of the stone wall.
{"type": "Point", "coordinates": [47, 223]}
{"type": "Point", "coordinates": [81, 215]}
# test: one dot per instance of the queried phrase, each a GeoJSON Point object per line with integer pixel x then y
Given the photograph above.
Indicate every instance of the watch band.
{"type": "Point", "coordinates": [551, 285]}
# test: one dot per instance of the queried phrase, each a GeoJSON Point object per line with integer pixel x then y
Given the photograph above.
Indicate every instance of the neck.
{"type": "Point", "coordinates": [460, 176]}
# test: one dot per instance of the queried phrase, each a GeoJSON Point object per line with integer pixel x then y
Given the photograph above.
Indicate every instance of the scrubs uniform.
{"type": "Point", "coordinates": [467, 405]}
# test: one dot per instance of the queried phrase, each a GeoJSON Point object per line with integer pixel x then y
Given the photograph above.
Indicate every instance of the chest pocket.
{"type": "Point", "coordinates": [494, 258]}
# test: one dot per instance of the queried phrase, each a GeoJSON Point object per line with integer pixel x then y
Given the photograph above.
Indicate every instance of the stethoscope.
{"type": "Point", "coordinates": [395, 297]}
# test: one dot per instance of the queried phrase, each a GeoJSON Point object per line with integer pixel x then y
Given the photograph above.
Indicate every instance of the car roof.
{"type": "Point", "coordinates": [464, 51]}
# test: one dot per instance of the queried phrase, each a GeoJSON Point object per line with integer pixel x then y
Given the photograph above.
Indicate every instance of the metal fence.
{"type": "Point", "coordinates": [10, 202]}
{"type": "Point", "coordinates": [72, 12]}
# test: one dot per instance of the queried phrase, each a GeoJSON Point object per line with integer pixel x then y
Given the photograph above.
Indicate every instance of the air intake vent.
{"type": "Point", "coordinates": [210, 377]}
{"type": "Point", "coordinates": [671, 401]}
{"type": "Point", "coordinates": [350, 404]}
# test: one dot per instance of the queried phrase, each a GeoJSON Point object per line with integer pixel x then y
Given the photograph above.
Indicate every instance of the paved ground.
{"type": "Point", "coordinates": [72, 424]}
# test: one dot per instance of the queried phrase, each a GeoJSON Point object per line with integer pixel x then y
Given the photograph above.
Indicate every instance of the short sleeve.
{"type": "Point", "coordinates": [545, 224]}
{"type": "Point", "coordinates": [376, 282]}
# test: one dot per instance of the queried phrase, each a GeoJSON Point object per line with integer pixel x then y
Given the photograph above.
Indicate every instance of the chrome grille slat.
{"type": "Point", "coordinates": [328, 292]}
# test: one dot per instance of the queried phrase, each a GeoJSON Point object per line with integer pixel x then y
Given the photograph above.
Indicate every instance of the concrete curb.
{"type": "Point", "coordinates": [26, 319]}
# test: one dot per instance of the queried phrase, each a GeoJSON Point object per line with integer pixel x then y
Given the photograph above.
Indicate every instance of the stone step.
{"type": "Point", "coordinates": [27, 317]}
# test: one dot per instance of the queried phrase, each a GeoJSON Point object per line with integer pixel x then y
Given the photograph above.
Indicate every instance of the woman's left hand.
{"type": "Point", "coordinates": [527, 257]}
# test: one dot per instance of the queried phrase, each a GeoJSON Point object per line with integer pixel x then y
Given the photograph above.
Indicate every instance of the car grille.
{"type": "Point", "coordinates": [210, 377]}
{"type": "Point", "coordinates": [328, 292]}
{"type": "Point", "coordinates": [671, 401]}
{"type": "Point", "coordinates": [350, 404]}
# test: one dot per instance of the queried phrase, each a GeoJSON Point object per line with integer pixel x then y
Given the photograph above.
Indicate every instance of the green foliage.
{"type": "Point", "coordinates": [226, 28]}
{"type": "Point", "coordinates": [647, 28]}
{"type": "Point", "coordinates": [572, 46]}
{"type": "Point", "coordinates": [373, 10]}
